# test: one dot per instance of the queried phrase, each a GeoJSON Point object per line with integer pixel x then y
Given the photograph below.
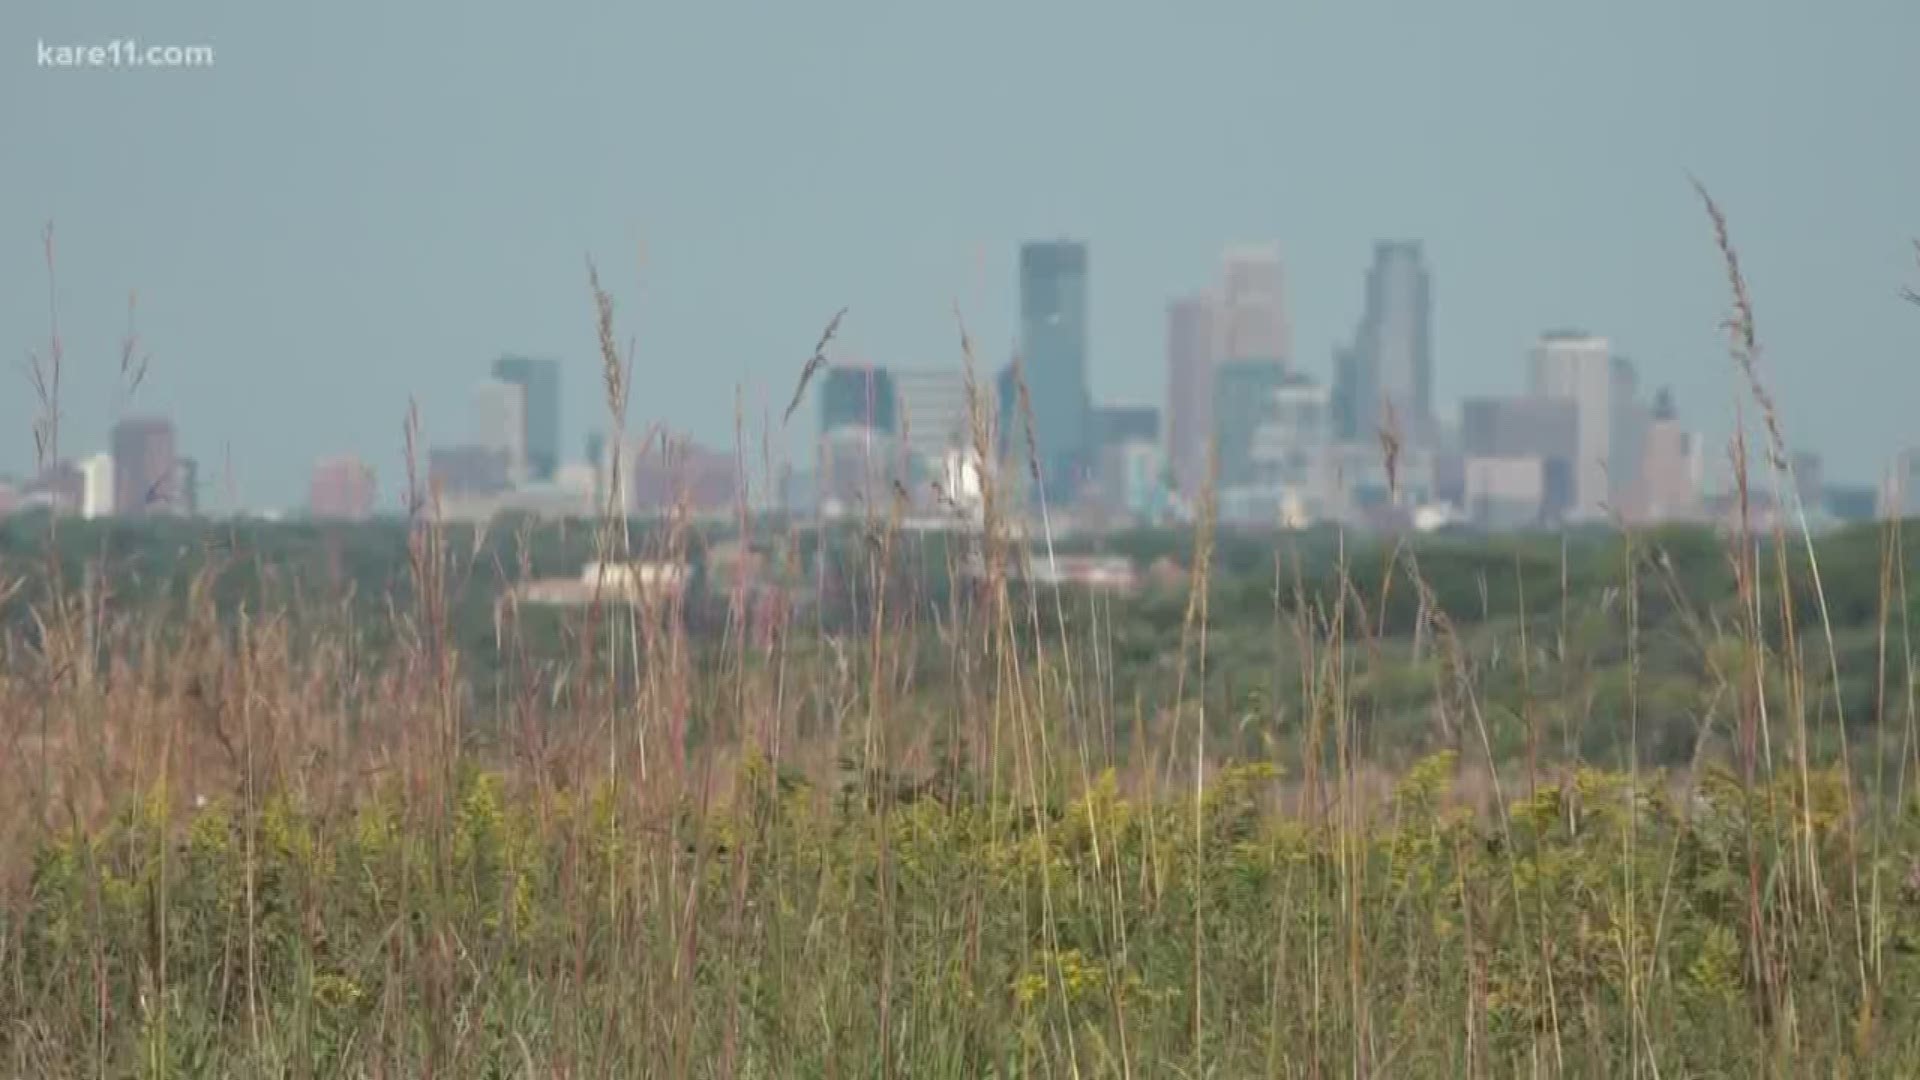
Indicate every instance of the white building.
{"type": "Point", "coordinates": [500, 423]}
{"type": "Point", "coordinates": [96, 486]}
{"type": "Point", "coordinates": [1579, 367]}
{"type": "Point", "coordinates": [961, 479]}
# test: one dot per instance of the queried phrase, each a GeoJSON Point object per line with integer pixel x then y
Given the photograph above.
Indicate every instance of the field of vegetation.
{"type": "Point", "coordinates": [307, 800]}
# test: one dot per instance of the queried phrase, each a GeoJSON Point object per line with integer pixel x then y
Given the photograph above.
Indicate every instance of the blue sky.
{"type": "Point", "coordinates": [365, 201]}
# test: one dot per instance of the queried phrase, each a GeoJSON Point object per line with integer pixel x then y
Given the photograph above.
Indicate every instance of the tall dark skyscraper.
{"type": "Point", "coordinates": [1391, 361]}
{"type": "Point", "coordinates": [539, 381]}
{"type": "Point", "coordinates": [858, 396]}
{"type": "Point", "coordinates": [1053, 348]}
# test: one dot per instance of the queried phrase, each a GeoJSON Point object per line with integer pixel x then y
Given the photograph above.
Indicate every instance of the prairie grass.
{"type": "Point", "coordinates": [246, 839]}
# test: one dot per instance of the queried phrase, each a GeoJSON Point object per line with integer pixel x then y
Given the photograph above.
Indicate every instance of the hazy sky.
{"type": "Point", "coordinates": [362, 201]}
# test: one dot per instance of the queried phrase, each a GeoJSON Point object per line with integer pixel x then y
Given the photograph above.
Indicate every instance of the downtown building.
{"type": "Point", "coordinates": [936, 416]}
{"type": "Point", "coordinates": [1251, 320]}
{"type": "Point", "coordinates": [500, 425]}
{"type": "Point", "coordinates": [146, 468]}
{"type": "Point", "coordinates": [858, 396]}
{"type": "Point", "coordinates": [538, 379]}
{"type": "Point", "coordinates": [96, 482]}
{"type": "Point", "coordinates": [857, 452]}
{"type": "Point", "coordinates": [1053, 361]}
{"type": "Point", "coordinates": [1385, 378]}
{"type": "Point", "coordinates": [1272, 430]}
{"type": "Point", "coordinates": [1189, 391]}
{"type": "Point", "coordinates": [1672, 472]}
{"type": "Point", "coordinates": [1518, 457]}
{"type": "Point", "coordinates": [1578, 367]}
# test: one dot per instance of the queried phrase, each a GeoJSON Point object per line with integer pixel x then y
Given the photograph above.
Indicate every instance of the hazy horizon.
{"type": "Point", "coordinates": [361, 203]}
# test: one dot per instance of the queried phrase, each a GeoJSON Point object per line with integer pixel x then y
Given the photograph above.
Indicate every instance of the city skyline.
{"type": "Point", "coordinates": [282, 269]}
{"type": "Point", "coordinates": [516, 407]}
{"type": "Point", "coordinates": [1576, 441]}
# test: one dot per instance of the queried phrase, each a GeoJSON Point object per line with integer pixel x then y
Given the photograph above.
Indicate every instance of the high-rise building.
{"type": "Point", "coordinates": [341, 488]}
{"type": "Point", "coordinates": [1289, 451]}
{"type": "Point", "coordinates": [1189, 390]}
{"type": "Point", "coordinates": [1627, 434]}
{"type": "Point", "coordinates": [1247, 402]}
{"type": "Point", "coordinates": [1131, 479]}
{"type": "Point", "coordinates": [1244, 393]}
{"type": "Point", "coordinates": [1348, 393]}
{"type": "Point", "coordinates": [539, 381]}
{"type": "Point", "coordinates": [1251, 308]}
{"type": "Point", "coordinates": [858, 396]}
{"type": "Point", "coordinates": [1543, 429]}
{"type": "Point", "coordinates": [1053, 349]}
{"type": "Point", "coordinates": [1389, 368]}
{"type": "Point", "coordinates": [1579, 367]}
{"type": "Point", "coordinates": [1671, 467]}
{"type": "Point", "coordinates": [96, 474]}
{"type": "Point", "coordinates": [146, 467]}
{"type": "Point", "coordinates": [500, 424]}
{"type": "Point", "coordinates": [935, 416]}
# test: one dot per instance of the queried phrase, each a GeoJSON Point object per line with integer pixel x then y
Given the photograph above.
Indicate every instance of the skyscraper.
{"type": "Point", "coordinates": [500, 424]}
{"type": "Point", "coordinates": [1189, 389]}
{"type": "Point", "coordinates": [1579, 366]}
{"type": "Point", "coordinates": [1390, 365]}
{"type": "Point", "coordinates": [858, 396]}
{"type": "Point", "coordinates": [1670, 466]}
{"type": "Point", "coordinates": [539, 381]}
{"type": "Point", "coordinates": [1628, 430]}
{"type": "Point", "coordinates": [1271, 426]}
{"type": "Point", "coordinates": [1252, 322]}
{"type": "Point", "coordinates": [145, 467]}
{"type": "Point", "coordinates": [1053, 349]}
{"type": "Point", "coordinates": [1246, 395]}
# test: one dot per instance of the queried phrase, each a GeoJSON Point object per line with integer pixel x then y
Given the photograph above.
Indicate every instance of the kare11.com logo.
{"type": "Point", "coordinates": [122, 53]}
